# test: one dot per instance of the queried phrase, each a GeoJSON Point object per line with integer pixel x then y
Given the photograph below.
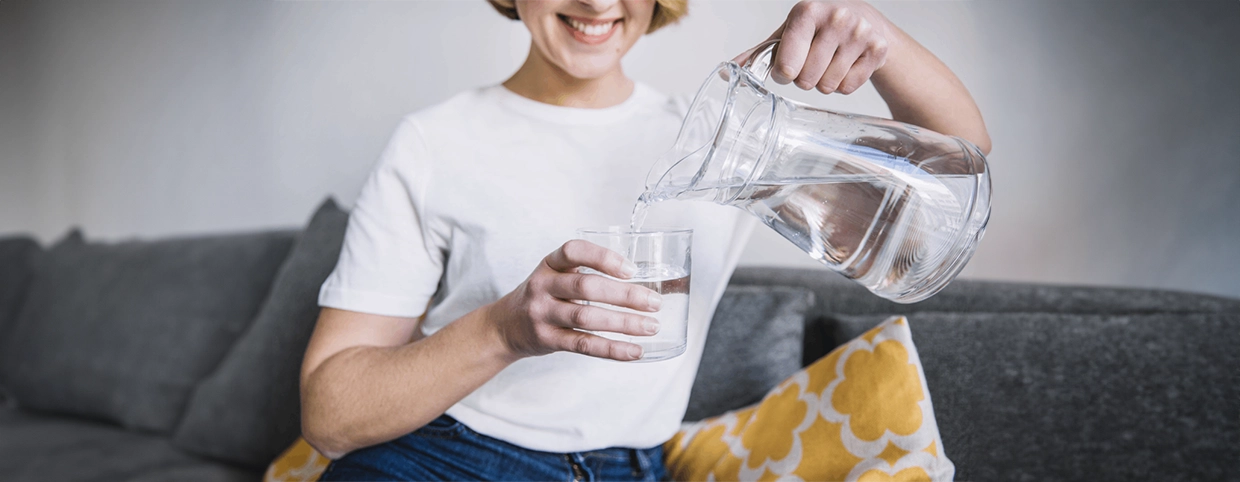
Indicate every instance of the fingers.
{"type": "Point", "coordinates": [594, 318]}
{"type": "Point", "coordinates": [794, 44]}
{"type": "Point", "coordinates": [852, 47]}
{"type": "Point", "coordinates": [589, 287]}
{"type": "Point", "coordinates": [822, 53]}
{"type": "Point", "coordinates": [578, 253]}
{"type": "Point", "coordinates": [871, 60]}
{"type": "Point", "coordinates": [830, 46]}
{"type": "Point", "coordinates": [597, 346]}
{"type": "Point", "coordinates": [555, 323]}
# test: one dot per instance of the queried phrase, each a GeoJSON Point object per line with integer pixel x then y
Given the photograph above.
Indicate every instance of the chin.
{"type": "Point", "coordinates": [588, 69]}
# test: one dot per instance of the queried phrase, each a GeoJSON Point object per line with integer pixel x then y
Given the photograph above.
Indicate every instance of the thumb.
{"type": "Point", "coordinates": [779, 33]}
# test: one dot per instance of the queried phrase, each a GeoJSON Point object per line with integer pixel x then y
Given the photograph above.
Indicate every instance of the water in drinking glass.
{"type": "Point", "coordinates": [664, 264]}
{"type": "Point", "coordinates": [673, 284]}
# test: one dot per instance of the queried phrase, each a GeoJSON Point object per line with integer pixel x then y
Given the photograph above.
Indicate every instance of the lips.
{"type": "Point", "coordinates": [590, 31]}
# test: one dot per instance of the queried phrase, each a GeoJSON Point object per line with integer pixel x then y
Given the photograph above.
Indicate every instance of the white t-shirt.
{"type": "Point", "coordinates": [470, 195]}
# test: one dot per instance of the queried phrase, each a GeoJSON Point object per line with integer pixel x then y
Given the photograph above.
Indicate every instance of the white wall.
{"type": "Point", "coordinates": [1114, 123]}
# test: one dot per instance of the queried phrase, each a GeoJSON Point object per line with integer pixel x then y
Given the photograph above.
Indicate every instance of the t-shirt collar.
{"type": "Point", "coordinates": [572, 115]}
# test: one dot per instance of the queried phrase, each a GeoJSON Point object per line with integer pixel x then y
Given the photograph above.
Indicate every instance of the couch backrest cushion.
{"type": "Point", "coordinates": [1062, 396]}
{"type": "Point", "coordinates": [1047, 382]}
{"type": "Point", "coordinates": [836, 295]}
{"type": "Point", "coordinates": [248, 410]}
{"type": "Point", "coordinates": [17, 256]}
{"type": "Point", "coordinates": [754, 342]}
{"type": "Point", "coordinates": [122, 332]}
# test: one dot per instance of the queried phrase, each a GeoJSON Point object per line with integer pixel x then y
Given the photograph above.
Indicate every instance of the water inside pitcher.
{"type": "Point", "coordinates": [897, 208]}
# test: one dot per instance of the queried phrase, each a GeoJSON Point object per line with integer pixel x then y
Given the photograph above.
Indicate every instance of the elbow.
{"type": "Point", "coordinates": [326, 441]}
{"type": "Point", "coordinates": [983, 143]}
{"type": "Point", "coordinates": [978, 136]}
{"type": "Point", "coordinates": [321, 426]}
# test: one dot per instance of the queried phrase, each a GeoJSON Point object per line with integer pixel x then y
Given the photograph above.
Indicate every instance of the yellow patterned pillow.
{"type": "Point", "coordinates": [860, 413]}
{"type": "Point", "coordinates": [300, 463]}
{"type": "Point", "coordinates": [871, 420]}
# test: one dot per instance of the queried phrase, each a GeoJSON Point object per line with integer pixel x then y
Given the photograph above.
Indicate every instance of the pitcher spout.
{"type": "Point", "coordinates": [721, 143]}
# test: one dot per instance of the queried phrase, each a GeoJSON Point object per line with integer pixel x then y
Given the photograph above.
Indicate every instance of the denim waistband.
{"type": "Point", "coordinates": [446, 449]}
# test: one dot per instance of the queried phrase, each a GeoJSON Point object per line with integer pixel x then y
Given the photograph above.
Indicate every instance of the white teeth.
{"type": "Point", "coordinates": [590, 30]}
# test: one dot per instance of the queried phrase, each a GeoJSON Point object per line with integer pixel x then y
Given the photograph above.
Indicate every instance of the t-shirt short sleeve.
{"type": "Point", "coordinates": [391, 260]}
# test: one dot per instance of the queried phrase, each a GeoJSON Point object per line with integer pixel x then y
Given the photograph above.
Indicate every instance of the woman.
{"type": "Point", "coordinates": [446, 346]}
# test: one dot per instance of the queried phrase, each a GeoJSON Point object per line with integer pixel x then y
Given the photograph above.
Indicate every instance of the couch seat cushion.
{"type": "Point", "coordinates": [122, 332]}
{"type": "Point", "coordinates": [40, 448]}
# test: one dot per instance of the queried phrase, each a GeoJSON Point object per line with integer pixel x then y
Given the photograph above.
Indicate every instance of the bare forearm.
{"type": "Point", "coordinates": [919, 89]}
{"type": "Point", "coordinates": [366, 395]}
{"type": "Point", "coordinates": [364, 383]}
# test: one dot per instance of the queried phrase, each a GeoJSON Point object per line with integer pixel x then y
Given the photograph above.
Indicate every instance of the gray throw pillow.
{"type": "Point", "coordinates": [17, 256]}
{"type": "Point", "coordinates": [122, 332]}
{"type": "Point", "coordinates": [755, 341]}
{"type": "Point", "coordinates": [248, 410]}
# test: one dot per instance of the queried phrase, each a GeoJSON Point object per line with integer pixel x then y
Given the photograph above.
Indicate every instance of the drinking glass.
{"type": "Point", "coordinates": [662, 256]}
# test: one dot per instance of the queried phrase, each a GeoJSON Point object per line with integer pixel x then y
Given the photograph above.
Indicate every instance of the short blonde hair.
{"type": "Point", "coordinates": [666, 12]}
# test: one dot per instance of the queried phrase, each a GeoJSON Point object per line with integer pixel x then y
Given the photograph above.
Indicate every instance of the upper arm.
{"type": "Point", "coordinates": [393, 253]}
{"type": "Point", "coordinates": [339, 330]}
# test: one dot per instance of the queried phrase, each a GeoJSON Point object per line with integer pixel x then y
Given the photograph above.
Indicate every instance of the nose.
{"type": "Point", "coordinates": [598, 6]}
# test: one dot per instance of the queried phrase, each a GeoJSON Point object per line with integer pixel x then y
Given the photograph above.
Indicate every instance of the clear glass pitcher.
{"type": "Point", "coordinates": [895, 207]}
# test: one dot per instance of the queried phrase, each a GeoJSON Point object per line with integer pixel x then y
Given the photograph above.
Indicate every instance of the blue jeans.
{"type": "Point", "coordinates": [446, 449]}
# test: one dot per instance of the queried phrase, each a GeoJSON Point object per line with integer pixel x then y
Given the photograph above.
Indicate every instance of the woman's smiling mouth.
{"type": "Point", "coordinates": [589, 31]}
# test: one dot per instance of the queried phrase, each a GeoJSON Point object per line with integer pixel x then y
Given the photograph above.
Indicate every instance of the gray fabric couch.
{"type": "Point", "coordinates": [177, 359]}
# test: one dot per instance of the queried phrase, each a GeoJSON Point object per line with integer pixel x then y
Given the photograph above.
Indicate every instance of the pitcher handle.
{"type": "Point", "coordinates": [759, 62]}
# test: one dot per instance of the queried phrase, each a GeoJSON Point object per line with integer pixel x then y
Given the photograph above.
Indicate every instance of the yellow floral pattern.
{"type": "Point", "coordinates": [861, 413]}
{"type": "Point", "coordinates": [907, 475]}
{"type": "Point", "coordinates": [300, 463]}
{"type": "Point", "coordinates": [772, 439]}
{"type": "Point", "coordinates": [874, 406]}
